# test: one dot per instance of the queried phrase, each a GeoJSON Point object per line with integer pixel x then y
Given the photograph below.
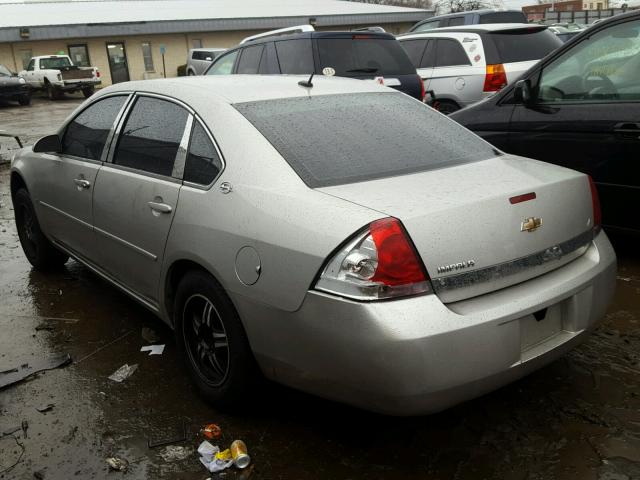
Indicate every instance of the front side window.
{"type": "Point", "coordinates": [147, 56]}
{"type": "Point", "coordinates": [151, 136]}
{"type": "Point", "coordinates": [87, 134]}
{"type": "Point", "coordinates": [203, 163]}
{"type": "Point", "coordinates": [31, 65]}
{"type": "Point", "coordinates": [603, 67]}
{"type": "Point", "coordinates": [295, 56]}
{"type": "Point", "coordinates": [427, 26]}
{"type": "Point", "coordinates": [338, 139]}
{"type": "Point", "coordinates": [249, 62]}
{"type": "Point", "coordinates": [224, 64]}
{"type": "Point", "coordinates": [450, 53]}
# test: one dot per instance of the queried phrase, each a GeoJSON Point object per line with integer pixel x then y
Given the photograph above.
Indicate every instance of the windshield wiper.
{"type": "Point", "coordinates": [363, 70]}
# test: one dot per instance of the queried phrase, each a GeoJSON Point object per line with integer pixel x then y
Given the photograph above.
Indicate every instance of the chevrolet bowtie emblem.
{"type": "Point", "coordinates": [530, 224]}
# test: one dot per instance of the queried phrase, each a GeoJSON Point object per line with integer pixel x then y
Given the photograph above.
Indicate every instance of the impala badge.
{"type": "Point", "coordinates": [530, 224]}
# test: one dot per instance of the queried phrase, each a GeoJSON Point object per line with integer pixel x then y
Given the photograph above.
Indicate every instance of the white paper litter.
{"type": "Point", "coordinates": [123, 372]}
{"type": "Point", "coordinates": [153, 349]}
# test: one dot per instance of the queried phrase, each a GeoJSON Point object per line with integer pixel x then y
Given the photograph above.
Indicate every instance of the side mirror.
{"type": "Point", "coordinates": [48, 144]}
{"type": "Point", "coordinates": [522, 92]}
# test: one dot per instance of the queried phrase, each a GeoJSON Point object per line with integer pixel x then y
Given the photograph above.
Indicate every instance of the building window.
{"type": "Point", "coordinates": [197, 43]}
{"type": "Point", "coordinates": [148, 57]}
{"type": "Point", "coordinates": [25, 56]}
{"type": "Point", "coordinates": [599, 6]}
{"type": "Point", "coordinates": [79, 55]}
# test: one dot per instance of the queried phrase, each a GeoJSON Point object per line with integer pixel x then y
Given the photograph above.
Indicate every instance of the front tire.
{"type": "Point", "coordinates": [212, 340]}
{"type": "Point", "coordinates": [40, 252]}
{"type": "Point", "coordinates": [447, 107]}
{"type": "Point", "coordinates": [24, 100]}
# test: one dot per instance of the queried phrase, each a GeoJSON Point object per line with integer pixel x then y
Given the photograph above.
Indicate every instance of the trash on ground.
{"type": "Point", "coordinates": [211, 431]}
{"type": "Point", "coordinates": [241, 458]}
{"type": "Point", "coordinates": [207, 451]}
{"type": "Point", "coordinates": [178, 439]}
{"type": "Point", "coordinates": [45, 408]}
{"type": "Point", "coordinates": [624, 279]}
{"type": "Point", "coordinates": [15, 375]}
{"type": "Point", "coordinates": [174, 453]}
{"type": "Point", "coordinates": [118, 464]}
{"type": "Point", "coordinates": [211, 459]}
{"type": "Point", "coordinates": [216, 465]}
{"type": "Point", "coordinates": [123, 372]}
{"type": "Point", "coordinates": [153, 349]}
{"type": "Point", "coordinates": [223, 455]}
{"type": "Point", "coordinates": [150, 335]}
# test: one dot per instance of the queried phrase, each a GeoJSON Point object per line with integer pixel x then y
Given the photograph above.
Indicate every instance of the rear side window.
{"type": "Point", "coordinates": [414, 49]}
{"type": "Point", "coordinates": [427, 26]}
{"type": "Point", "coordinates": [519, 45]}
{"type": "Point", "coordinates": [450, 53]}
{"type": "Point", "coordinates": [249, 62]}
{"type": "Point", "coordinates": [295, 56]}
{"type": "Point", "coordinates": [455, 21]}
{"type": "Point", "coordinates": [203, 163]}
{"type": "Point", "coordinates": [352, 57]}
{"type": "Point", "coordinates": [151, 136]}
{"type": "Point", "coordinates": [338, 139]}
{"type": "Point", "coordinates": [200, 55]}
{"type": "Point", "coordinates": [224, 64]}
{"type": "Point", "coordinates": [503, 17]}
{"type": "Point", "coordinates": [87, 133]}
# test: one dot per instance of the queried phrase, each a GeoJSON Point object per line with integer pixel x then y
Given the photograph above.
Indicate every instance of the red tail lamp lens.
{"type": "Point", "coordinates": [495, 78]}
{"type": "Point", "coordinates": [595, 203]}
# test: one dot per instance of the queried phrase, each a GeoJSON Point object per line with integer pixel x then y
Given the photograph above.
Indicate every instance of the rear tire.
{"type": "Point", "coordinates": [53, 92]}
{"type": "Point", "coordinates": [212, 341]}
{"type": "Point", "coordinates": [87, 92]}
{"type": "Point", "coordinates": [40, 252]}
{"type": "Point", "coordinates": [447, 107]}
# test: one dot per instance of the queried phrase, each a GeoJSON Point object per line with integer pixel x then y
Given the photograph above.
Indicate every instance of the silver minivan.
{"type": "Point", "coordinates": [200, 58]}
{"type": "Point", "coordinates": [463, 65]}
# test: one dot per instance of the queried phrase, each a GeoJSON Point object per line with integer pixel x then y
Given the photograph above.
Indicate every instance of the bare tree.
{"type": "Point", "coordinates": [426, 4]}
{"type": "Point", "coordinates": [453, 6]}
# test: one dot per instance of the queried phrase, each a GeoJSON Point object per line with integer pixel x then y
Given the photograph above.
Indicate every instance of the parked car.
{"type": "Point", "coordinates": [13, 87]}
{"type": "Point", "coordinates": [475, 17]}
{"type": "Point", "coordinates": [343, 239]}
{"type": "Point", "coordinates": [199, 59]}
{"type": "Point", "coordinates": [563, 33]}
{"type": "Point", "coordinates": [366, 55]}
{"type": "Point", "coordinates": [580, 108]}
{"type": "Point", "coordinates": [463, 65]}
{"type": "Point", "coordinates": [57, 74]}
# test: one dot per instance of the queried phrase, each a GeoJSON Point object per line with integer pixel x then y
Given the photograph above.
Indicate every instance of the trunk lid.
{"type": "Point", "coordinates": [469, 234]}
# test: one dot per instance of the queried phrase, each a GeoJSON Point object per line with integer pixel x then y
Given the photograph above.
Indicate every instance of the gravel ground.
{"type": "Point", "coordinates": [578, 418]}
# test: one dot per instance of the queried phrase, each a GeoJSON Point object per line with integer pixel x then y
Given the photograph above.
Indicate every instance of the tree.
{"type": "Point", "coordinates": [453, 6]}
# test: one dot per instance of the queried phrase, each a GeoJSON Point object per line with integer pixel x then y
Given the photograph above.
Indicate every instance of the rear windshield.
{"type": "Point", "coordinates": [523, 45]}
{"type": "Point", "coordinates": [352, 57]}
{"type": "Point", "coordinates": [503, 17]}
{"type": "Point", "coordinates": [54, 63]}
{"type": "Point", "coordinates": [338, 139]}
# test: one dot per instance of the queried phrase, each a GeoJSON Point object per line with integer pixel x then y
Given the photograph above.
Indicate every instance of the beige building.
{"type": "Point", "coordinates": [126, 39]}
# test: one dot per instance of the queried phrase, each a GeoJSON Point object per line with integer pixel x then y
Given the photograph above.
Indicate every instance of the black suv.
{"type": "Point", "coordinates": [359, 54]}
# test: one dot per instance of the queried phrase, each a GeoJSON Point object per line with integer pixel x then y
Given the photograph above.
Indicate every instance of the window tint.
{"type": "Point", "coordinates": [429, 57]}
{"type": "Point", "coordinates": [86, 134]}
{"type": "Point", "coordinates": [224, 64]}
{"type": "Point", "coordinates": [601, 68]}
{"type": "Point", "coordinates": [295, 56]}
{"type": "Point", "coordinates": [361, 57]}
{"type": "Point", "coordinates": [249, 62]}
{"type": "Point", "coordinates": [455, 21]}
{"type": "Point", "coordinates": [203, 55]}
{"type": "Point", "coordinates": [151, 136]}
{"type": "Point", "coordinates": [450, 53]}
{"type": "Point", "coordinates": [338, 139]}
{"type": "Point", "coordinates": [520, 45]}
{"type": "Point", "coordinates": [503, 17]}
{"type": "Point", "coordinates": [203, 163]}
{"type": "Point", "coordinates": [414, 49]}
{"type": "Point", "coordinates": [427, 26]}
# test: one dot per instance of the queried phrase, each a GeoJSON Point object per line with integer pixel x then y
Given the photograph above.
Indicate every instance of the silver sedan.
{"type": "Point", "coordinates": [339, 237]}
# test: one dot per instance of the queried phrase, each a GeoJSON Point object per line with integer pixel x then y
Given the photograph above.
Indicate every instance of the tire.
{"type": "Point", "coordinates": [24, 100]}
{"type": "Point", "coordinates": [212, 341]}
{"type": "Point", "coordinates": [87, 92]}
{"type": "Point", "coordinates": [447, 107]}
{"type": "Point", "coordinates": [52, 92]}
{"type": "Point", "coordinates": [37, 248]}
{"type": "Point", "coordinates": [191, 73]}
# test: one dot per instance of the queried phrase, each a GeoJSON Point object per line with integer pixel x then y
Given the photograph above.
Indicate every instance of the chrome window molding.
{"type": "Point", "coordinates": [487, 274]}
{"type": "Point", "coordinates": [183, 148]}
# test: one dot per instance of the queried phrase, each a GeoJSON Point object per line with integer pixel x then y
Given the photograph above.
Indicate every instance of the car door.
{"type": "Point", "coordinates": [137, 191]}
{"type": "Point", "coordinates": [453, 77]}
{"type": "Point", "coordinates": [66, 181]}
{"type": "Point", "coordinates": [29, 74]}
{"type": "Point", "coordinates": [585, 115]}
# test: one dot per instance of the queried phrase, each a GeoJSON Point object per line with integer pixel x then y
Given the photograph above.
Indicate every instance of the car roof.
{"type": "Point", "coordinates": [203, 49]}
{"type": "Point", "coordinates": [316, 34]}
{"type": "Point", "coordinates": [470, 12]}
{"type": "Point", "coordinates": [233, 89]}
{"type": "Point", "coordinates": [482, 28]}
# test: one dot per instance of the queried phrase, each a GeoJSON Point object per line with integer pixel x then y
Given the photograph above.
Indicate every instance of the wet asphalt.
{"type": "Point", "coordinates": [578, 418]}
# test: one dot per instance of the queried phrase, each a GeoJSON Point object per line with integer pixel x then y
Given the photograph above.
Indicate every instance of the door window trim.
{"type": "Point", "coordinates": [223, 163]}
{"type": "Point", "coordinates": [107, 144]}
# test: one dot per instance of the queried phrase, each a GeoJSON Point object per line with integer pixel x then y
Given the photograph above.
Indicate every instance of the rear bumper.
{"type": "Point", "coordinates": [66, 86]}
{"type": "Point", "coordinates": [418, 355]}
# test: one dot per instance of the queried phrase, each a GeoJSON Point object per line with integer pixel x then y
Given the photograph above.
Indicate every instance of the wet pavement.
{"type": "Point", "coordinates": [578, 418]}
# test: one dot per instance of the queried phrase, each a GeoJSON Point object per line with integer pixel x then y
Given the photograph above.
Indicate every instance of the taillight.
{"type": "Point", "coordinates": [495, 79]}
{"type": "Point", "coordinates": [595, 204]}
{"type": "Point", "coordinates": [379, 263]}
{"type": "Point", "coordinates": [97, 73]}
{"type": "Point", "coordinates": [422, 92]}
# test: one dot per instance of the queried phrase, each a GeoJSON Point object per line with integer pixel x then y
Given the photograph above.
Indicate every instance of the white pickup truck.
{"type": "Point", "coordinates": [57, 74]}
